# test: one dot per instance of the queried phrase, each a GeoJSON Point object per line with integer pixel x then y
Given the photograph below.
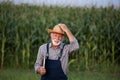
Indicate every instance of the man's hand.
{"type": "Point", "coordinates": [67, 31]}
{"type": "Point", "coordinates": [63, 27]}
{"type": "Point", "coordinates": [41, 71]}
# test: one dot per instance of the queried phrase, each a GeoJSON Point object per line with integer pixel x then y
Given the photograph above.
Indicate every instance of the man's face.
{"type": "Point", "coordinates": [56, 38]}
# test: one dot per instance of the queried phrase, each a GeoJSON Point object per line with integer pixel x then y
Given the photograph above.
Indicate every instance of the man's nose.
{"type": "Point", "coordinates": [57, 37]}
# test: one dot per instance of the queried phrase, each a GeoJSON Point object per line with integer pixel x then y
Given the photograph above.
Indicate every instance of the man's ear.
{"type": "Point", "coordinates": [50, 34]}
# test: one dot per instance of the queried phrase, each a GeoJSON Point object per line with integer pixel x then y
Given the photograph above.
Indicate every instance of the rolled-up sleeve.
{"type": "Point", "coordinates": [73, 46]}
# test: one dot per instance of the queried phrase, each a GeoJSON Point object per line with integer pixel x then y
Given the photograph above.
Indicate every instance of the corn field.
{"type": "Point", "coordinates": [23, 30]}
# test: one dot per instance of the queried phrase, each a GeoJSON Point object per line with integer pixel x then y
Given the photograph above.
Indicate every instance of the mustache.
{"type": "Point", "coordinates": [56, 42]}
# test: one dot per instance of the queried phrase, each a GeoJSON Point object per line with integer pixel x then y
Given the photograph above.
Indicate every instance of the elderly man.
{"type": "Point", "coordinates": [52, 58]}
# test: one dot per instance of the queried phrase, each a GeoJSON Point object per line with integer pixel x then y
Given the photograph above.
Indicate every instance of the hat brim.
{"type": "Point", "coordinates": [54, 31]}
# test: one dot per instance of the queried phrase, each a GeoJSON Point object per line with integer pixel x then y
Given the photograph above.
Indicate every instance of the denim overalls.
{"type": "Point", "coordinates": [53, 68]}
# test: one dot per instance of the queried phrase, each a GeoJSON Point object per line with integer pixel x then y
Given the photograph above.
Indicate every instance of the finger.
{"type": "Point", "coordinates": [42, 67]}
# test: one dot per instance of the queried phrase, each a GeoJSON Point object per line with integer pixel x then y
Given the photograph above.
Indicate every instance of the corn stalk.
{"type": "Point", "coordinates": [17, 47]}
{"type": "Point", "coordinates": [3, 47]}
{"type": "Point", "coordinates": [28, 50]}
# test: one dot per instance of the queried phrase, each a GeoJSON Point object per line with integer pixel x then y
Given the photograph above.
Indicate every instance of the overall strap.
{"type": "Point", "coordinates": [47, 47]}
{"type": "Point", "coordinates": [61, 51]}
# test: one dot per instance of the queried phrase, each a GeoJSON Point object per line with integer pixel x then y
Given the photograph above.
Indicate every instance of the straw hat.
{"type": "Point", "coordinates": [56, 29]}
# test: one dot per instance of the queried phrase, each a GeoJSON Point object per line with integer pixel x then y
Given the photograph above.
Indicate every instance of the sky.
{"type": "Point", "coordinates": [82, 3]}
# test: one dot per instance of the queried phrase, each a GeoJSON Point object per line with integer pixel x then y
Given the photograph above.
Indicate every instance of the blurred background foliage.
{"type": "Point", "coordinates": [23, 30]}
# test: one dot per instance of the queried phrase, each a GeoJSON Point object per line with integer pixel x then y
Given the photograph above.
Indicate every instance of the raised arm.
{"type": "Point", "coordinates": [67, 31]}
{"type": "Point", "coordinates": [73, 46]}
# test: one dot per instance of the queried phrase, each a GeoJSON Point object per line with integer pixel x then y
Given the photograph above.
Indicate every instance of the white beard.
{"type": "Point", "coordinates": [56, 43]}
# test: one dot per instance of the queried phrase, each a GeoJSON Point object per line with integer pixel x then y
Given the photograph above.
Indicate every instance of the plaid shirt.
{"type": "Point", "coordinates": [54, 54]}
